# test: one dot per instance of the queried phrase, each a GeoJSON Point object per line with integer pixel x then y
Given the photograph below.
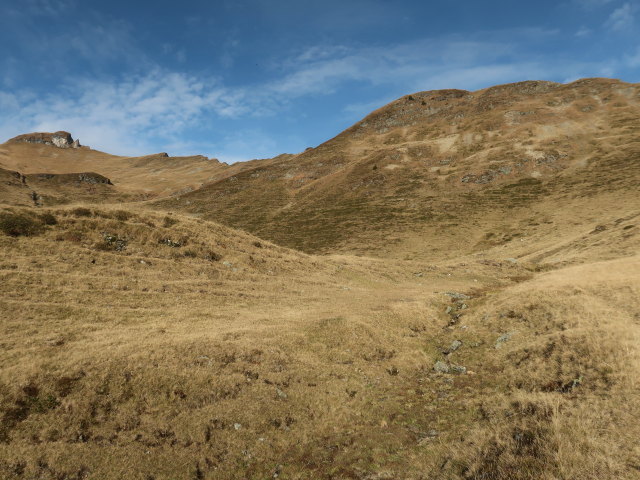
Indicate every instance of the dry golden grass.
{"type": "Point", "coordinates": [150, 175]}
{"type": "Point", "coordinates": [148, 360]}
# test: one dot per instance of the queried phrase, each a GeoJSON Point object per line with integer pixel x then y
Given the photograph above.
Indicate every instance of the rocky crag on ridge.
{"type": "Point", "coordinates": [60, 139]}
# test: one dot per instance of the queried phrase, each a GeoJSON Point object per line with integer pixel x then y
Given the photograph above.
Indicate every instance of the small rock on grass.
{"type": "Point", "coordinates": [457, 296]}
{"type": "Point", "coordinates": [441, 367]}
{"type": "Point", "coordinates": [504, 338]}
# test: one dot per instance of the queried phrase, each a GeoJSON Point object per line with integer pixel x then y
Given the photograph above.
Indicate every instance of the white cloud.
{"type": "Point", "coordinates": [583, 32]}
{"type": "Point", "coordinates": [52, 8]}
{"type": "Point", "coordinates": [419, 65]}
{"type": "Point", "coordinates": [622, 18]}
{"type": "Point", "coordinates": [146, 112]}
{"type": "Point", "coordinates": [633, 60]}
{"type": "Point", "coordinates": [119, 117]}
{"type": "Point", "coordinates": [592, 3]}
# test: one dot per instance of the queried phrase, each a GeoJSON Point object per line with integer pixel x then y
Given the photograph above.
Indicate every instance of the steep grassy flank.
{"type": "Point", "coordinates": [431, 174]}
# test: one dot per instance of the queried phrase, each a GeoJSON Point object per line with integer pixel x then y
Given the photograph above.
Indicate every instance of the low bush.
{"type": "Point", "coordinates": [82, 212]}
{"type": "Point", "coordinates": [122, 215]}
{"type": "Point", "coordinates": [169, 222]}
{"type": "Point", "coordinates": [48, 219]}
{"type": "Point", "coordinates": [20, 224]}
{"type": "Point", "coordinates": [213, 256]}
{"type": "Point", "coordinates": [73, 236]}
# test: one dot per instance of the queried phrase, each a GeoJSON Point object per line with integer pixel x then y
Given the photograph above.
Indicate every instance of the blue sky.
{"type": "Point", "coordinates": [249, 79]}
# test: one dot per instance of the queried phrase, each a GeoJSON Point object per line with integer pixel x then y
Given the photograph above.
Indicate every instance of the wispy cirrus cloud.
{"type": "Point", "coordinates": [622, 18]}
{"type": "Point", "coordinates": [120, 116]}
{"type": "Point", "coordinates": [589, 4]}
{"type": "Point", "coordinates": [152, 108]}
{"type": "Point", "coordinates": [50, 8]}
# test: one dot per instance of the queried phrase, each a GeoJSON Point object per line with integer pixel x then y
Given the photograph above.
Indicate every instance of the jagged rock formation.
{"type": "Point", "coordinates": [60, 139]}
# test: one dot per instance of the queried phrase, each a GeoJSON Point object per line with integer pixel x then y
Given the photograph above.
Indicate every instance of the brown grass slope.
{"type": "Point", "coordinates": [140, 345]}
{"type": "Point", "coordinates": [440, 173]}
{"type": "Point", "coordinates": [151, 175]}
{"type": "Point", "coordinates": [49, 189]}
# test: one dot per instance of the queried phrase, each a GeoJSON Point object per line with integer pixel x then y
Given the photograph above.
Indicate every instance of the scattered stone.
{"type": "Point", "coordinates": [93, 178]}
{"type": "Point", "coordinates": [455, 345]}
{"type": "Point", "coordinates": [114, 242]}
{"type": "Point", "coordinates": [237, 426]}
{"type": "Point", "coordinates": [459, 369]}
{"type": "Point", "coordinates": [449, 310]}
{"type": "Point", "coordinates": [504, 338]}
{"type": "Point", "coordinates": [457, 296]}
{"type": "Point", "coordinates": [227, 263]}
{"type": "Point", "coordinates": [441, 367]}
{"type": "Point", "coordinates": [170, 243]}
{"type": "Point", "coordinates": [511, 260]}
{"type": "Point", "coordinates": [280, 393]}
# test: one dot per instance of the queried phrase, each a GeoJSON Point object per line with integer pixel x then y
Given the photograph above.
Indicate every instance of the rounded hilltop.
{"type": "Point", "coordinates": [59, 139]}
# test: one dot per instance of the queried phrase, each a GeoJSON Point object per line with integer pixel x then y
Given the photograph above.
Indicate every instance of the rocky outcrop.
{"type": "Point", "coordinates": [59, 139]}
{"type": "Point", "coordinates": [71, 178]}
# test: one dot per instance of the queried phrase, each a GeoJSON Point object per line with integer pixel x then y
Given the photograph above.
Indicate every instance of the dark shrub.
{"type": "Point", "coordinates": [213, 256]}
{"type": "Point", "coordinates": [48, 219]}
{"type": "Point", "coordinates": [81, 212]}
{"type": "Point", "coordinates": [169, 222]}
{"type": "Point", "coordinates": [17, 224]}
{"type": "Point", "coordinates": [122, 215]}
{"type": "Point", "coordinates": [72, 236]}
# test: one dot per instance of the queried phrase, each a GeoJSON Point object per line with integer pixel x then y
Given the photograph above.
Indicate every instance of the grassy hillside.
{"type": "Point", "coordinates": [151, 175]}
{"type": "Point", "coordinates": [450, 289]}
{"type": "Point", "coordinates": [434, 174]}
{"type": "Point", "coordinates": [143, 345]}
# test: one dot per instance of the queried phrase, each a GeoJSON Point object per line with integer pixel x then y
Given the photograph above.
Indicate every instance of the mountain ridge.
{"type": "Point", "coordinates": [424, 168]}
